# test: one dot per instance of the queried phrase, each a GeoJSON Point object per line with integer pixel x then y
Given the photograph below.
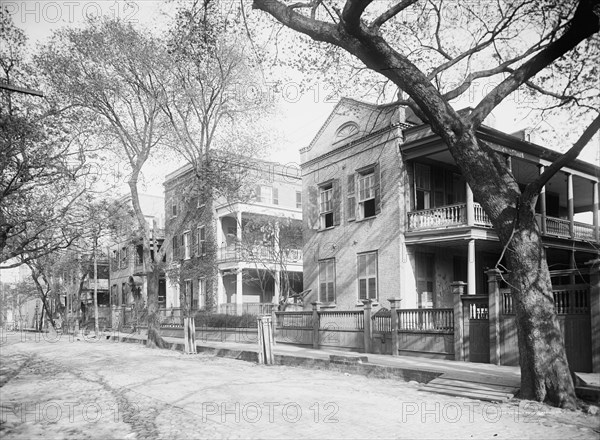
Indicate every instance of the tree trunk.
{"type": "Point", "coordinates": [154, 338]}
{"type": "Point", "coordinates": [545, 373]}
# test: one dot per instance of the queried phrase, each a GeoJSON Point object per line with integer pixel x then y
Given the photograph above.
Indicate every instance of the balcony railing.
{"type": "Point", "coordinates": [456, 215]}
{"type": "Point", "coordinates": [561, 228]}
{"type": "Point", "coordinates": [258, 253]}
{"type": "Point", "coordinates": [446, 216]}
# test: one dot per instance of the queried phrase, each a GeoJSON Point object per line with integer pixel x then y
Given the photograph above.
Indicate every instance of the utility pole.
{"type": "Point", "coordinates": [96, 325]}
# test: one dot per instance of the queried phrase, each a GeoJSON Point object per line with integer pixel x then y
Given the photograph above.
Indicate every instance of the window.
{"type": "Point", "coordinates": [299, 199]}
{"type": "Point", "coordinates": [366, 194]}
{"type": "Point", "coordinates": [275, 196]}
{"type": "Point", "coordinates": [367, 275]}
{"type": "Point", "coordinates": [326, 206]}
{"type": "Point", "coordinates": [436, 186]}
{"type": "Point", "coordinates": [424, 275]}
{"type": "Point", "coordinates": [422, 186]}
{"type": "Point", "coordinates": [265, 194]}
{"type": "Point", "coordinates": [201, 293]}
{"type": "Point", "coordinates": [327, 281]}
{"type": "Point", "coordinates": [201, 240]}
{"type": "Point", "coordinates": [186, 245]}
{"type": "Point", "coordinates": [174, 209]}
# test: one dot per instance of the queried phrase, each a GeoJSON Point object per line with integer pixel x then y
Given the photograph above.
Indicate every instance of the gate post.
{"type": "Point", "coordinates": [494, 315]}
{"type": "Point", "coordinates": [458, 289]}
{"type": "Point", "coordinates": [368, 328]}
{"type": "Point", "coordinates": [394, 303]}
{"type": "Point", "coordinates": [595, 312]}
{"type": "Point", "coordinates": [316, 324]}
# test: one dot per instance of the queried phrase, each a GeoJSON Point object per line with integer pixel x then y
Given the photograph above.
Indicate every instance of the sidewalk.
{"type": "Point", "coordinates": [406, 368]}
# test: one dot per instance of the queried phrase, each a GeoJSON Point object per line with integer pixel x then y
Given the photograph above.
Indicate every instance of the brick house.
{"type": "Point", "coordinates": [126, 254]}
{"type": "Point", "coordinates": [388, 214]}
{"type": "Point", "coordinates": [228, 245]}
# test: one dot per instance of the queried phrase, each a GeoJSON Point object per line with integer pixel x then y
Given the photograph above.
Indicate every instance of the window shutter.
{"type": "Point", "coordinates": [336, 202]}
{"type": "Point", "coordinates": [377, 187]}
{"type": "Point", "coordinates": [194, 243]}
{"type": "Point", "coordinates": [351, 207]}
{"type": "Point", "coordinates": [312, 219]}
{"type": "Point", "coordinates": [275, 196]}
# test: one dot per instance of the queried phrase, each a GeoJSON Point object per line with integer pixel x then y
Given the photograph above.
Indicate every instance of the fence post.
{"type": "Point", "coordinates": [494, 315]}
{"type": "Point", "coordinates": [368, 328]}
{"type": "Point", "coordinates": [274, 321]}
{"type": "Point", "coordinates": [316, 324]}
{"type": "Point", "coordinates": [458, 289]}
{"type": "Point", "coordinates": [265, 340]}
{"type": "Point", "coordinates": [595, 312]}
{"type": "Point", "coordinates": [394, 304]}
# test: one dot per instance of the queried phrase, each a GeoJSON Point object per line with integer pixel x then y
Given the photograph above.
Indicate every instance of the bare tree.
{"type": "Point", "coordinates": [517, 40]}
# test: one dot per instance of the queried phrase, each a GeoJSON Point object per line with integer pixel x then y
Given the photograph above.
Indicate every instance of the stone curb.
{"type": "Point", "coordinates": [356, 365]}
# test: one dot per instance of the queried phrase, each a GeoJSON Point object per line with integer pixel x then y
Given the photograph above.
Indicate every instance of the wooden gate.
{"type": "Point", "coordinates": [477, 328]}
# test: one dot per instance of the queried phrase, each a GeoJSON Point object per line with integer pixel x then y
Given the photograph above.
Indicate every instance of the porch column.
{"type": "Point", "coordinates": [219, 234]}
{"type": "Point", "coordinates": [572, 266]}
{"type": "Point", "coordinates": [595, 313]}
{"type": "Point", "coordinates": [494, 315]}
{"type": "Point", "coordinates": [595, 208]}
{"type": "Point", "coordinates": [239, 292]}
{"type": "Point", "coordinates": [238, 231]}
{"type": "Point", "coordinates": [470, 206]}
{"type": "Point", "coordinates": [543, 203]}
{"type": "Point", "coordinates": [220, 290]}
{"type": "Point", "coordinates": [471, 281]}
{"type": "Point", "coordinates": [394, 305]}
{"type": "Point", "coordinates": [570, 206]}
{"type": "Point", "coordinates": [458, 289]}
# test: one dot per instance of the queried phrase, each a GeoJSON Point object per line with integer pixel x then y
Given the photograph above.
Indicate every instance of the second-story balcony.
{"type": "Point", "coordinates": [258, 253]}
{"type": "Point", "coordinates": [447, 217]}
{"type": "Point", "coordinates": [453, 216]}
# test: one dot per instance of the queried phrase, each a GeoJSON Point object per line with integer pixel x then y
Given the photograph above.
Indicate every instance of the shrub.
{"type": "Point", "coordinates": [221, 320]}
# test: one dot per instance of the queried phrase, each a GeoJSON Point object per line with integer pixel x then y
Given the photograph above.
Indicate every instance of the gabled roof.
{"type": "Point", "coordinates": [344, 101]}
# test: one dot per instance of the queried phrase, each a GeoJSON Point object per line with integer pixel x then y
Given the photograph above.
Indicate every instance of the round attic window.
{"type": "Point", "coordinates": [346, 130]}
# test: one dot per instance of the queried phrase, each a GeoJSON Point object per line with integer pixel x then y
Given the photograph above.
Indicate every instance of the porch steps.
{"type": "Point", "coordinates": [452, 384]}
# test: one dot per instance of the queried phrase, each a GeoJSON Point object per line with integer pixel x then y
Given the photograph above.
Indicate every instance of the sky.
{"type": "Point", "coordinates": [299, 117]}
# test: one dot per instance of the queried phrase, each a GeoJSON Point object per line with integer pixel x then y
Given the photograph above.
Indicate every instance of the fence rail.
{"type": "Point", "coordinates": [568, 300]}
{"type": "Point", "coordinates": [435, 320]}
{"type": "Point", "coordinates": [341, 320]}
{"type": "Point", "coordinates": [294, 319]}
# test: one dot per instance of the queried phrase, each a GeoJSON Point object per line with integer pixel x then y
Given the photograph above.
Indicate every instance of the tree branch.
{"type": "Point", "coordinates": [391, 13]}
{"type": "Point", "coordinates": [584, 23]}
{"type": "Point", "coordinates": [535, 187]}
